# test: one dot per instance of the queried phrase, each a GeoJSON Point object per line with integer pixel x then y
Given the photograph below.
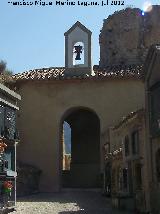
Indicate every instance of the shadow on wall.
{"type": "Point", "coordinates": [28, 179]}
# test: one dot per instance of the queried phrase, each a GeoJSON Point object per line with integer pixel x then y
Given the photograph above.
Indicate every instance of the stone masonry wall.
{"type": "Point", "coordinates": [127, 35]}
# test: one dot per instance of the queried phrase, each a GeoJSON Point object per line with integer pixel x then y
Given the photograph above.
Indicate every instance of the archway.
{"type": "Point", "coordinates": [84, 170]}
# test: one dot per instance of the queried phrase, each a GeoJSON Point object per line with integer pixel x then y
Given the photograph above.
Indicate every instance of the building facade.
{"type": "Point", "coordinates": [87, 102]}
{"type": "Point", "coordinates": [129, 163]}
{"type": "Point", "coordinates": [91, 100]}
{"type": "Point", "coordinates": [152, 91]}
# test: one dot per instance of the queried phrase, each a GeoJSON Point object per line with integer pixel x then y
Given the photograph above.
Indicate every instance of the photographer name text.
{"type": "Point", "coordinates": [67, 3]}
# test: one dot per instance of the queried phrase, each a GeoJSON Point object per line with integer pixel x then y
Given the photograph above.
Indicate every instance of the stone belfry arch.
{"type": "Point", "coordinates": [78, 46]}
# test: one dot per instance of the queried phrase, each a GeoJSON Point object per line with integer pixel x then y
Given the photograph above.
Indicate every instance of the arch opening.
{"type": "Point", "coordinates": [66, 146]}
{"type": "Point", "coordinates": [84, 165]}
{"type": "Point", "coordinates": [78, 53]}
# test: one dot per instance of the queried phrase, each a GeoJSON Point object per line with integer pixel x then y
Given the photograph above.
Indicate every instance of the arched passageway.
{"type": "Point", "coordinates": [84, 169]}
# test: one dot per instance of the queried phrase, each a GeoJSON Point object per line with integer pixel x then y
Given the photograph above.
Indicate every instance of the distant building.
{"type": "Point", "coordinates": [128, 160]}
{"type": "Point", "coordinates": [152, 89]}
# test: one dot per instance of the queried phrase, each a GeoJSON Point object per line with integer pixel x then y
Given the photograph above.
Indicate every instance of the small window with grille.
{"type": "Point", "coordinates": [135, 142]}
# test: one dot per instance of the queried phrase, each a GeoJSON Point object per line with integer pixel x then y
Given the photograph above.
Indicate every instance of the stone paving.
{"type": "Point", "coordinates": [66, 202]}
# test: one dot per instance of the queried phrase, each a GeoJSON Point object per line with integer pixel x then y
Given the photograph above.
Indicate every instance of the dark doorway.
{"type": "Point", "coordinates": [84, 171]}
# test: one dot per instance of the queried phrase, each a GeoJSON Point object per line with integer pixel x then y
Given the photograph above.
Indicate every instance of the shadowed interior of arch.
{"type": "Point", "coordinates": [83, 167]}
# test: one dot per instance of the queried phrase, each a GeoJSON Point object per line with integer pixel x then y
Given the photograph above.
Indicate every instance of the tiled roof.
{"type": "Point", "coordinates": [131, 115]}
{"type": "Point", "coordinates": [58, 73]}
{"type": "Point", "coordinates": [119, 70]}
{"type": "Point", "coordinates": [43, 73]}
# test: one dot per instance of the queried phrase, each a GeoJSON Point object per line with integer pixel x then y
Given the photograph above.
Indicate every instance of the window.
{"type": "Point", "coordinates": [106, 148]}
{"type": "Point", "coordinates": [125, 178]}
{"type": "Point", "coordinates": [126, 145]}
{"type": "Point", "coordinates": [138, 176]}
{"type": "Point", "coordinates": [9, 155]}
{"type": "Point", "coordinates": [120, 179]}
{"type": "Point", "coordinates": [10, 123]}
{"type": "Point", "coordinates": [7, 122]}
{"type": "Point", "coordinates": [113, 179]}
{"type": "Point", "coordinates": [135, 142]}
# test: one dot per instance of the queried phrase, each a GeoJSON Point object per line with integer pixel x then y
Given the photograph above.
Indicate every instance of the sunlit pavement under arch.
{"type": "Point", "coordinates": [67, 202]}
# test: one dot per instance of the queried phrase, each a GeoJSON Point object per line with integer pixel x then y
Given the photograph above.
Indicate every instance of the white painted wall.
{"type": "Point", "coordinates": [77, 35]}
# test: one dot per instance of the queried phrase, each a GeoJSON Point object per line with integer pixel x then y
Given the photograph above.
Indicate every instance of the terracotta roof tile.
{"type": "Point", "coordinates": [119, 70]}
{"type": "Point", "coordinates": [43, 73]}
{"type": "Point", "coordinates": [58, 73]}
{"type": "Point", "coordinates": [131, 115]}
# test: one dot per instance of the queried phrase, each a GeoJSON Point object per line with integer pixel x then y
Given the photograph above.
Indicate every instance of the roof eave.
{"type": "Point", "coordinates": [78, 24]}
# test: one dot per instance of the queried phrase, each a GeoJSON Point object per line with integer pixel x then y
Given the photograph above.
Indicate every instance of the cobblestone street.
{"type": "Point", "coordinates": [66, 202]}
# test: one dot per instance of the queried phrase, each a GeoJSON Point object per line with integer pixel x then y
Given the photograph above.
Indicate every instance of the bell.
{"type": "Point", "coordinates": [78, 51]}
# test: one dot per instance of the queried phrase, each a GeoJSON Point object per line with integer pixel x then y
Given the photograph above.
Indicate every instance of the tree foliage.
{"type": "Point", "coordinates": [3, 68]}
{"type": "Point", "coordinates": [5, 74]}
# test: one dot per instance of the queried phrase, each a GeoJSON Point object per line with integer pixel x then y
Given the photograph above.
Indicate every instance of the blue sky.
{"type": "Point", "coordinates": [33, 36]}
